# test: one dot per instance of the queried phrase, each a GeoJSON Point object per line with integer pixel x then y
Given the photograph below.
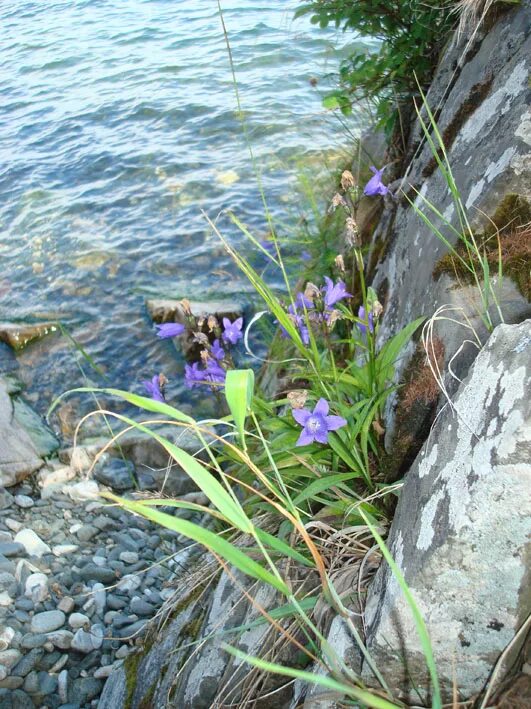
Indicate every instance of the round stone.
{"type": "Point", "coordinates": [24, 501]}
{"type": "Point", "coordinates": [116, 473]}
{"type": "Point", "coordinates": [47, 621]}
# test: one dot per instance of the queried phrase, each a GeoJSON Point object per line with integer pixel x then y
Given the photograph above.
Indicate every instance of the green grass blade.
{"type": "Point", "coordinates": [239, 387]}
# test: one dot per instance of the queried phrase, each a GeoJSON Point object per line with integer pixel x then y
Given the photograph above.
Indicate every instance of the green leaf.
{"type": "Point", "coordinates": [389, 353]}
{"type": "Point", "coordinates": [321, 484]}
{"type": "Point", "coordinates": [230, 553]}
{"type": "Point", "coordinates": [239, 387]}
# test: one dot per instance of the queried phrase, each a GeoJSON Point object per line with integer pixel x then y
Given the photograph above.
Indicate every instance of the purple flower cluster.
{"type": "Point", "coordinates": [211, 373]}
{"type": "Point", "coordinates": [303, 309]}
{"type": "Point", "coordinates": [153, 388]}
{"type": "Point", "coordinates": [316, 424]}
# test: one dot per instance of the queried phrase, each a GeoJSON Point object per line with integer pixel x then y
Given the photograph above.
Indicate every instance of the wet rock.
{"type": "Point", "coordinates": [47, 621]}
{"type": "Point", "coordinates": [457, 523]}
{"type": "Point", "coordinates": [32, 543]}
{"type": "Point", "coordinates": [116, 473]}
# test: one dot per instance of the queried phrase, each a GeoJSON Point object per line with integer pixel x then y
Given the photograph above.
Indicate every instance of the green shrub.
{"type": "Point", "coordinates": [410, 34]}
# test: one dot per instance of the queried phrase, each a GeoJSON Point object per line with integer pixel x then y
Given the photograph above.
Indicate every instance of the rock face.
{"type": "Point", "coordinates": [461, 530]}
{"type": "Point", "coordinates": [481, 95]}
{"type": "Point", "coordinates": [18, 455]}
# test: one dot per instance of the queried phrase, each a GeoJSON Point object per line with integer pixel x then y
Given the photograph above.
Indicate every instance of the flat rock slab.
{"type": "Point", "coordinates": [18, 335]}
{"type": "Point", "coordinates": [461, 531]}
{"type": "Point", "coordinates": [168, 310]}
{"type": "Point", "coordinates": [18, 455]}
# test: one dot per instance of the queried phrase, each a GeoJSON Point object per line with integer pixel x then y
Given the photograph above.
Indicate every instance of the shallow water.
{"type": "Point", "coordinates": [117, 127]}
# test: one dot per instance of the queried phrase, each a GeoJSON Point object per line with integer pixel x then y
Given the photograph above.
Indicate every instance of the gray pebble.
{"type": "Point", "coordinates": [11, 682]}
{"type": "Point", "coordinates": [47, 683]}
{"type": "Point", "coordinates": [10, 549]}
{"type": "Point", "coordinates": [87, 532]}
{"type": "Point", "coordinates": [24, 604]}
{"type": "Point", "coordinates": [47, 621]}
{"type": "Point", "coordinates": [141, 607]}
{"type": "Point", "coordinates": [91, 572]}
{"type": "Point", "coordinates": [24, 501]}
{"type": "Point", "coordinates": [28, 662]}
{"type": "Point", "coordinates": [31, 640]}
{"type": "Point", "coordinates": [84, 689]}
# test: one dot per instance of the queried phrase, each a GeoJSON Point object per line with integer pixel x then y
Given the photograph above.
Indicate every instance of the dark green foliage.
{"type": "Point", "coordinates": [410, 33]}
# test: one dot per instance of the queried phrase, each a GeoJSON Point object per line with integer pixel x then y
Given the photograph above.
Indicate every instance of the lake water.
{"type": "Point", "coordinates": [117, 127]}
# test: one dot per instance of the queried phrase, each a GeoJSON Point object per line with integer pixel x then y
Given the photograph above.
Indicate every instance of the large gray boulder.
{"type": "Point", "coordinates": [18, 454]}
{"type": "Point", "coordinates": [461, 531]}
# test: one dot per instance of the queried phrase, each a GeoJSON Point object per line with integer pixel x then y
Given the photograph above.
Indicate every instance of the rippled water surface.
{"type": "Point", "coordinates": [117, 127]}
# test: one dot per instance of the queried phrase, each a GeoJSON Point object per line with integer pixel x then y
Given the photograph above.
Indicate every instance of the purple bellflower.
{"type": "Point", "coordinates": [370, 320]}
{"type": "Point", "coordinates": [214, 372]}
{"type": "Point", "coordinates": [169, 329]}
{"type": "Point", "coordinates": [301, 302]}
{"type": "Point", "coordinates": [334, 293]}
{"type": "Point", "coordinates": [153, 388]}
{"type": "Point", "coordinates": [233, 331]}
{"type": "Point", "coordinates": [317, 423]}
{"type": "Point", "coordinates": [193, 375]}
{"type": "Point", "coordinates": [375, 186]}
{"type": "Point", "coordinates": [217, 350]}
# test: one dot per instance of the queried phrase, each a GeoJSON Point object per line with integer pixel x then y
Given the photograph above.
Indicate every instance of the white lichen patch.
{"type": "Point", "coordinates": [496, 104]}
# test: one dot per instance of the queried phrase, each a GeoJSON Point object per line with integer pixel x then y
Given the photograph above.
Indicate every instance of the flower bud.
{"type": "Point", "coordinates": [377, 308]}
{"type": "Point", "coordinates": [311, 291]}
{"type": "Point", "coordinates": [340, 264]}
{"type": "Point", "coordinates": [185, 305]}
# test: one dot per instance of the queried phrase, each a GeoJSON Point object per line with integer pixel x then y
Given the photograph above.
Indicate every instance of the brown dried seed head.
{"type": "Point", "coordinates": [162, 381]}
{"type": "Point", "coordinates": [204, 356]}
{"type": "Point", "coordinates": [201, 338]}
{"type": "Point", "coordinates": [337, 201]}
{"type": "Point", "coordinates": [333, 317]}
{"type": "Point", "coordinates": [311, 291]}
{"type": "Point", "coordinates": [351, 232]}
{"type": "Point", "coordinates": [212, 322]}
{"type": "Point", "coordinates": [297, 398]}
{"type": "Point", "coordinates": [347, 180]}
